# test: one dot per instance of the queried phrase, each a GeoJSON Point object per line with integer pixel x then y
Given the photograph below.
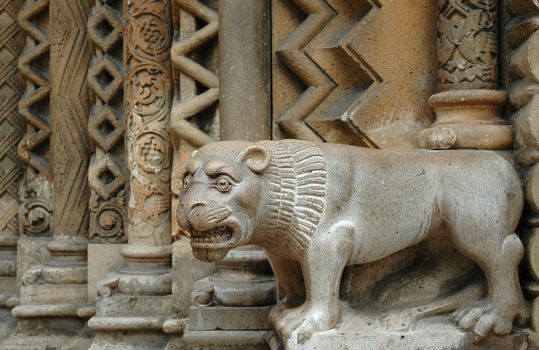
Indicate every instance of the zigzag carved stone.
{"type": "Point", "coordinates": [335, 75]}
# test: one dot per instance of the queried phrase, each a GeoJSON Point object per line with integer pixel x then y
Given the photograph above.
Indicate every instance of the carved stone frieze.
{"type": "Point", "coordinates": [194, 112]}
{"type": "Point", "coordinates": [136, 299]}
{"type": "Point", "coordinates": [107, 174]}
{"type": "Point", "coordinates": [34, 107]}
{"type": "Point", "coordinates": [467, 44]}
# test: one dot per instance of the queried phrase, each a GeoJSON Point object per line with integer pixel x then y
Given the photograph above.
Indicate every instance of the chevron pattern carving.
{"type": "Point", "coordinates": [331, 80]}
{"type": "Point", "coordinates": [194, 113]}
{"type": "Point", "coordinates": [11, 125]}
{"type": "Point", "coordinates": [70, 107]}
{"type": "Point", "coordinates": [108, 172]}
{"type": "Point", "coordinates": [34, 107]}
{"type": "Point", "coordinates": [195, 110]}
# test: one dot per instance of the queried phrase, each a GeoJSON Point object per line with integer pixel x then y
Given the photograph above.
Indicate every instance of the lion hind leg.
{"type": "Point", "coordinates": [499, 259]}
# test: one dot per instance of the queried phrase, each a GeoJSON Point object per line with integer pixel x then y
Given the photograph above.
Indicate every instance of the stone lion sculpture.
{"type": "Point", "coordinates": [318, 208]}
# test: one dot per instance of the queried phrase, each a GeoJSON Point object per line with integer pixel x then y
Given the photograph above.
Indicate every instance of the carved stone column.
{"type": "Point", "coordinates": [468, 108]}
{"type": "Point", "coordinates": [232, 306]}
{"type": "Point", "coordinates": [11, 131]}
{"type": "Point", "coordinates": [136, 300]}
{"type": "Point", "coordinates": [58, 287]}
{"type": "Point", "coordinates": [55, 286]}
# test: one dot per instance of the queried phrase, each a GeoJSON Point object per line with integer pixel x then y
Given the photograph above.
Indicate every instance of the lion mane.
{"type": "Point", "coordinates": [296, 178]}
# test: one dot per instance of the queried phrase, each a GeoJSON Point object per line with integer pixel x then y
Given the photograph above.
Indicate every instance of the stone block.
{"type": "Point", "coordinates": [229, 318]}
{"type": "Point", "coordinates": [364, 332]}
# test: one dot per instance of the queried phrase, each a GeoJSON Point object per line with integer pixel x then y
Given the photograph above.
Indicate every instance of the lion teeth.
{"type": "Point", "coordinates": [202, 237]}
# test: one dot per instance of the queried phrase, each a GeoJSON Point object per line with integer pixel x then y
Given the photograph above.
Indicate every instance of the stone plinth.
{"type": "Point", "coordinates": [362, 331]}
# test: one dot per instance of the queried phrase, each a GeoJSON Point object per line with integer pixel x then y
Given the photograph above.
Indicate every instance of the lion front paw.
{"type": "Point", "coordinates": [484, 319]}
{"type": "Point", "coordinates": [301, 323]}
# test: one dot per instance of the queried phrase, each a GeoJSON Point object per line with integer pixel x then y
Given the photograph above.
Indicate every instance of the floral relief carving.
{"type": "Point", "coordinates": [148, 98]}
{"type": "Point", "coordinates": [467, 49]}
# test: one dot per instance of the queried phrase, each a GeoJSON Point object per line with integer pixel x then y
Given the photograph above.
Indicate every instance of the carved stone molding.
{"type": "Point", "coordinates": [194, 113]}
{"type": "Point", "coordinates": [12, 129]}
{"type": "Point", "coordinates": [108, 171]}
{"type": "Point", "coordinates": [336, 64]}
{"type": "Point", "coordinates": [194, 118]}
{"type": "Point", "coordinates": [34, 107]}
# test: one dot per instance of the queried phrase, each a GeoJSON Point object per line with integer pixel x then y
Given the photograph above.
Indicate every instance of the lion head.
{"type": "Point", "coordinates": [234, 193]}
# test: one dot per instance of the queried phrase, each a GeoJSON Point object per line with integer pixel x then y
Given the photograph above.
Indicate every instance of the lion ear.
{"type": "Point", "coordinates": [256, 157]}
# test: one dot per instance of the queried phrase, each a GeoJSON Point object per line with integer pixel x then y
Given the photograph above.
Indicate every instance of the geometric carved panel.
{"type": "Point", "coordinates": [339, 66]}
{"type": "Point", "coordinates": [108, 172]}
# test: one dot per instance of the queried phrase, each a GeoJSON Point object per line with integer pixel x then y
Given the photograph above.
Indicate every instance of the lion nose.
{"type": "Point", "coordinates": [206, 216]}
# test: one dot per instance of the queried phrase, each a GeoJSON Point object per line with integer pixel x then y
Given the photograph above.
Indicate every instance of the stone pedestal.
{"type": "Point", "coordinates": [233, 303]}
{"type": "Point", "coordinates": [363, 331]}
{"type": "Point", "coordinates": [468, 119]}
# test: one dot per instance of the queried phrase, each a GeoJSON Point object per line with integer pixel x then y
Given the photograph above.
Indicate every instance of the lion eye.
{"type": "Point", "coordinates": [223, 185]}
{"type": "Point", "coordinates": [186, 181]}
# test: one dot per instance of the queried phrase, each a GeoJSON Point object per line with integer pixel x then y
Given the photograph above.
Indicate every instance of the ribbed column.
{"type": "Point", "coordinates": [468, 107]}
{"type": "Point", "coordinates": [137, 299]}
{"type": "Point", "coordinates": [240, 294]}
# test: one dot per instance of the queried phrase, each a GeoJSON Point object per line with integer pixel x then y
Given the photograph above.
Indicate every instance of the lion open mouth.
{"type": "Point", "coordinates": [214, 244]}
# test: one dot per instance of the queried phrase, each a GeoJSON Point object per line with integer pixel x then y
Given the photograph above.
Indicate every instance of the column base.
{"type": "Point", "coordinates": [468, 119]}
{"type": "Point", "coordinates": [56, 288]}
